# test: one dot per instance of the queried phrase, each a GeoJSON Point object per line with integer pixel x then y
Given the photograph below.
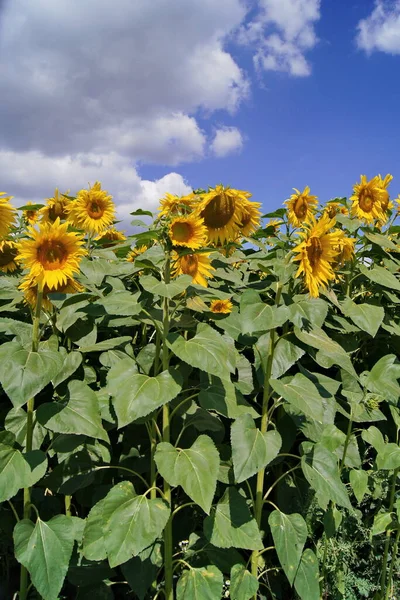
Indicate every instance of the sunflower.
{"type": "Point", "coordinates": [173, 205]}
{"type": "Point", "coordinates": [317, 253]}
{"type": "Point", "coordinates": [93, 210]}
{"type": "Point", "coordinates": [368, 200]}
{"type": "Point", "coordinates": [333, 208]}
{"type": "Point", "coordinates": [8, 253]}
{"type": "Point", "coordinates": [30, 216]}
{"type": "Point", "coordinates": [222, 210]}
{"type": "Point", "coordinates": [196, 265]}
{"type": "Point", "coordinates": [384, 183]}
{"type": "Point", "coordinates": [301, 206]}
{"type": "Point", "coordinates": [7, 214]}
{"type": "Point", "coordinates": [29, 287]}
{"type": "Point", "coordinates": [110, 237]}
{"type": "Point", "coordinates": [52, 253]}
{"type": "Point", "coordinates": [221, 306]}
{"type": "Point", "coordinates": [135, 252]}
{"type": "Point", "coordinates": [250, 219]}
{"type": "Point", "coordinates": [345, 249]}
{"type": "Point", "coordinates": [188, 231]}
{"type": "Point", "coordinates": [56, 208]}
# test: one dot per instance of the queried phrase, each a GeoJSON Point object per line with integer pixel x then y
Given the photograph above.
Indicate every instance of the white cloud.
{"type": "Point", "coordinates": [227, 140]}
{"type": "Point", "coordinates": [284, 32]}
{"type": "Point", "coordinates": [381, 29]}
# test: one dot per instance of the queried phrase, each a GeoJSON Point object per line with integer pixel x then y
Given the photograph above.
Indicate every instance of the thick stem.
{"type": "Point", "coordinates": [153, 431]}
{"type": "Point", "coordinates": [259, 498]}
{"type": "Point", "coordinates": [388, 535]}
{"type": "Point", "coordinates": [67, 501]}
{"type": "Point", "coordinates": [23, 587]}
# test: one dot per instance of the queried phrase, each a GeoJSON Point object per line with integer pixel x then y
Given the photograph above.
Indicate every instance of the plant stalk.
{"type": "Point", "coordinates": [384, 586]}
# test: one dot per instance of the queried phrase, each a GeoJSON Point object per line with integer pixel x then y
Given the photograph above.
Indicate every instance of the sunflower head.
{"type": "Point", "coordinates": [175, 205]}
{"type": "Point", "coordinates": [52, 253]}
{"type": "Point", "coordinates": [30, 216]}
{"type": "Point", "coordinates": [93, 210]}
{"type": "Point", "coordinates": [221, 306]}
{"type": "Point", "coordinates": [30, 287]}
{"type": "Point", "coordinates": [8, 255]}
{"type": "Point", "coordinates": [367, 200]}
{"type": "Point", "coordinates": [188, 231]}
{"type": "Point", "coordinates": [198, 266]}
{"type": "Point", "coordinates": [385, 201]}
{"type": "Point", "coordinates": [333, 208]}
{"type": "Point", "coordinates": [7, 214]}
{"type": "Point", "coordinates": [345, 249]}
{"type": "Point", "coordinates": [301, 206]}
{"type": "Point", "coordinates": [250, 217]}
{"type": "Point", "coordinates": [222, 209]}
{"type": "Point", "coordinates": [135, 252]}
{"type": "Point", "coordinates": [56, 208]}
{"type": "Point", "coordinates": [110, 236]}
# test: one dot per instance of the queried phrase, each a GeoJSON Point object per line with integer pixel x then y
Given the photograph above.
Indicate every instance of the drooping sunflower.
{"type": "Point", "coordinates": [345, 249]}
{"type": "Point", "coordinates": [29, 287]}
{"type": "Point", "coordinates": [301, 206]}
{"type": "Point", "coordinates": [56, 208]}
{"type": "Point", "coordinates": [250, 218]}
{"type": "Point", "coordinates": [221, 306]}
{"type": "Point", "coordinates": [333, 208]}
{"type": "Point", "coordinates": [174, 205]}
{"type": "Point", "coordinates": [317, 253]}
{"type": "Point", "coordinates": [384, 184]}
{"type": "Point", "coordinates": [196, 265]}
{"type": "Point", "coordinates": [222, 210]}
{"type": "Point", "coordinates": [30, 216]}
{"type": "Point", "coordinates": [8, 254]}
{"type": "Point", "coordinates": [52, 253]}
{"type": "Point", "coordinates": [188, 231]}
{"type": "Point", "coordinates": [110, 236]}
{"type": "Point", "coordinates": [7, 214]}
{"type": "Point", "coordinates": [93, 210]}
{"type": "Point", "coordinates": [135, 252]}
{"type": "Point", "coordinates": [367, 200]}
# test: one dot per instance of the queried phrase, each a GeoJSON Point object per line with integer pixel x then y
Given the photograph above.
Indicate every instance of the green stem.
{"type": "Point", "coordinates": [394, 556]}
{"type": "Point", "coordinates": [259, 500]}
{"type": "Point", "coordinates": [388, 535]}
{"type": "Point", "coordinates": [23, 587]}
{"type": "Point", "coordinates": [67, 501]}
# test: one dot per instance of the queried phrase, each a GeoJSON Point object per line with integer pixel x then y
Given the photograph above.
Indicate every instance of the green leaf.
{"type": "Point", "coordinates": [381, 523]}
{"type": "Point", "coordinates": [301, 393]}
{"type": "Point", "coordinates": [93, 536]}
{"type": "Point", "coordinates": [136, 395]}
{"type": "Point", "coordinates": [243, 584]}
{"type": "Point", "coordinates": [289, 533]}
{"type": "Point", "coordinates": [313, 310]}
{"type": "Point", "coordinates": [231, 523]}
{"type": "Point", "coordinates": [45, 550]}
{"type": "Point", "coordinates": [24, 374]}
{"type": "Point", "coordinates": [257, 316]}
{"type": "Point", "coordinates": [323, 476]}
{"type": "Point", "coordinates": [106, 344]}
{"type": "Point", "coordinates": [286, 354]}
{"type": "Point", "coordinates": [251, 449]}
{"type": "Point", "coordinates": [121, 302]}
{"type": "Point", "coordinates": [380, 240]}
{"type": "Point", "coordinates": [19, 470]}
{"type": "Point", "coordinates": [222, 397]}
{"type": "Point", "coordinates": [71, 362]}
{"type": "Point", "coordinates": [383, 377]}
{"type": "Point", "coordinates": [166, 290]}
{"type": "Point", "coordinates": [141, 212]}
{"type": "Point", "coordinates": [306, 582]}
{"type": "Point", "coordinates": [204, 583]}
{"type": "Point", "coordinates": [195, 469]}
{"type": "Point", "coordinates": [381, 276]}
{"type": "Point", "coordinates": [207, 351]}
{"type": "Point", "coordinates": [140, 571]}
{"type": "Point", "coordinates": [329, 352]}
{"type": "Point", "coordinates": [374, 436]}
{"type": "Point", "coordinates": [366, 316]}
{"type": "Point", "coordinates": [359, 483]}
{"type": "Point", "coordinates": [81, 415]}
{"type": "Point", "coordinates": [388, 457]}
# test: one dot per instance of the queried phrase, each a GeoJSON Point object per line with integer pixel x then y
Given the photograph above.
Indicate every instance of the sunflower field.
{"type": "Point", "coordinates": [206, 409]}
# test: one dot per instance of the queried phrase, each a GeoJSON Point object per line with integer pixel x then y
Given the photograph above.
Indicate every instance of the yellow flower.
{"type": "Point", "coordinates": [52, 253]}
{"type": "Point", "coordinates": [196, 265]}
{"type": "Point", "coordinates": [301, 206]}
{"type": "Point", "coordinates": [93, 210]}
{"type": "Point", "coordinates": [188, 231]}
{"type": "Point", "coordinates": [29, 287]}
{"type": "Point", "coordinates": [317, 252]}
{"type": "Point", "coordinates": [8, 253]}
{"type": "Point", "coordinates": [385, 201]}
{"type": "Point", "coordinates": [250, 218]}
{"type": "Point", "coordinates": [333, 208]}
{"type": "Point", "coordinates": [7, 214]}
{"type": "Point", "coordinates": [55, 208]}
{"type": "Point", "coordinates": [173, 205]}
{"type": "Point", "coordinates": [110, 237]}
{"type": "Point", "coordinates": [367, 200]}
{"type": "Point", "coordinates": [345, 249]}
{"type": "Point", "coordinates": [222, 210]}
{"type": "Point", "coordinates": [221, 306]}
{"type": "Point", "coordinates": [135, 252]}
{"type": "Point", "coordinates": [275, 223]}
{"type": "Point", "coordinates": [30, 216]}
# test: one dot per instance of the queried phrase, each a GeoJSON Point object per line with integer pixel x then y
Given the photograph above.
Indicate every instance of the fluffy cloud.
{"type": "Point", "coordinates": [381, 29]}
{"type": "Point", "coordinates": [284, 31]}
{"type": "Point", "coordinates": [226, 141]}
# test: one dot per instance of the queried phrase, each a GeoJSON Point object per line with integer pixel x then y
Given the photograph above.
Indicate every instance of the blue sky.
{"type": "Point", "coordinates": [150, 97]}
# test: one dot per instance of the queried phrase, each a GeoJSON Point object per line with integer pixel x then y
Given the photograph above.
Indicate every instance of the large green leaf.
{"type": "Point", "coordinates": [71, 362]}
{"type": "Point", "coordinates": [311, 311]}
{"type": "Point", "coordinates": [166, 290]}
{"type": "Point", "coordinates": [289, 533]}
{"type": "Point", "coordinates": [222, 397]}
{"type": "Point", "coordinates": [24, 374]}
{"type": "Point", "coordinates": [93, 535]}
{"type": "Point", "coordinates": [136, 395]}
{"type": "Point", "coordinates": [251, 449]}
{"type": "Point", "coordinates": [306, 582]}
{"type": "Point", "coordinates": [204, 583]}
{"type": "Point", "coordinates": [381, 276]}
{"type": "Point", "coordinates": [140, 571]}
{"type": "Point", "coordinates": [195, 469]}
{"type": "Point", "coordinates": [45, 549]}
{"type": "Point", "coordinates": [302, 394]}
{"type": "Point", "coordinates": [207, 351]}
{"type": "Point", "coordinates": [81, 415]}
{"type": "Point", "coordinates": [322, 473]}
{"type": "Point", "coordinates": [19, 470]}
{"type": "Point", "coordinates": [389, 457]}
{"type": "Point", "coordinates": [329, 352]}
{"type": "Point", "coordinates": [243, 584]}
{"type": "Point", "coordinates": [105, 345]}
{"type": "Point", "coordinates": [231, 523]}
{"type": "Point", "coordinates": [257, 316]}
{"type": "Point", "coordinates": [359, 483]}
{"type": "Point", "coordinates": [383, 377]}
{"type": "Point", "coordinates": [121, 303]}
{"type": "Point", "coordinates": [367, 317]}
